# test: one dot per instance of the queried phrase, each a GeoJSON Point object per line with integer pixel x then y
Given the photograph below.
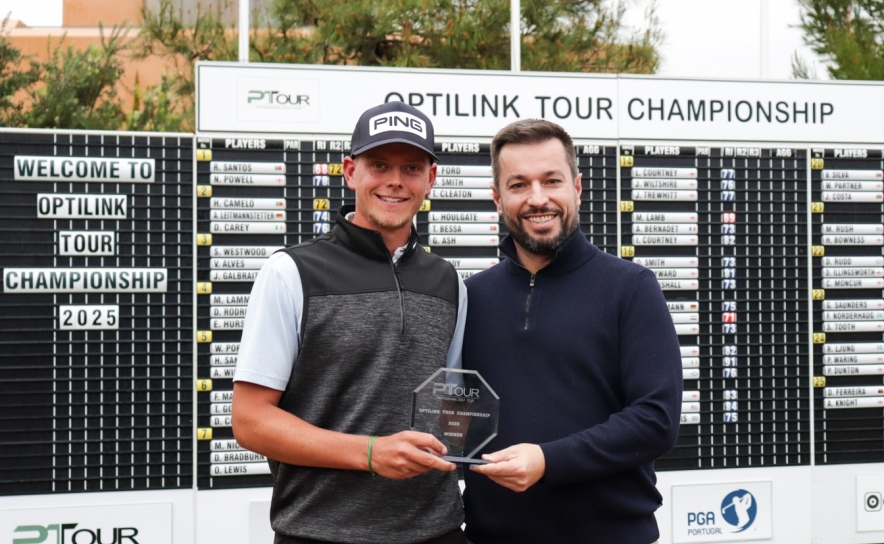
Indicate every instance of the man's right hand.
{"type": "Point", "coordinates": [408, 454]}
{"type": "Point", "coordinates": [259, 425]}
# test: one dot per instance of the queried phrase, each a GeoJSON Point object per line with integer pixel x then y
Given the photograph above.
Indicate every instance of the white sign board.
{"type": "Point", "coordinates": [727, 512]}
{"type": "Point", "coordinates": [291, 99]}
{"type": "Point", "coordinates": [653, 108]}
{"type": "Point", "coordinates": [308, 99]}
{"type": "Point", "coordinates": [260, 531]}
{"type": "Point", "coordinates": [146, 523]}
{"type": "Point", "coordinates": [869, 499]}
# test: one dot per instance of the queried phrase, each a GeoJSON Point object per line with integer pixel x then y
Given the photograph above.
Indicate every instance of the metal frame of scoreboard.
{"type": "Point", "coordinates": [764, 423]}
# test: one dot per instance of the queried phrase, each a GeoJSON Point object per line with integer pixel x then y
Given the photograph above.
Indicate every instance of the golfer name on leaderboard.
{"type": "Point", "coordinates": [94, 169]}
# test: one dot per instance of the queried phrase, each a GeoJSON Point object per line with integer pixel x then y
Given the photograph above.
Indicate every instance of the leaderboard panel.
{"type": "Point", "coordinates": [258, 195]}
{"type": "Point", "coordinates": [459, 220]}
{"type": "Point", "coordinates": [848, 304]}
{"type": "Point", "coordinates": [96, 365]}
{"type": "Point", "coordinates": [597, 163]}
{"type": "Point", "coordinates": [724, 231]}
{"type": "Point", "coordinates": [254, 197]}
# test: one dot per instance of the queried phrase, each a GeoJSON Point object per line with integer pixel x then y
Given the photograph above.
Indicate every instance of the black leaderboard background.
{"type": "Point", "coordinates": [848, 304]}
{"type": "Point", "coordinates": [96, 367]}
{"type": "Point", "coordinates": [258, 195]}
{"type": "Point", "coordinates": [723, 228]}
{"type": "Point", "coordinates": [98, 322]}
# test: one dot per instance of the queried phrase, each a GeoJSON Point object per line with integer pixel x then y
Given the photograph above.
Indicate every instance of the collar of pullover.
{"type": "Point", "coordinates": [366, 242]}
{"type": "Point", "coordinates": [574, 252]}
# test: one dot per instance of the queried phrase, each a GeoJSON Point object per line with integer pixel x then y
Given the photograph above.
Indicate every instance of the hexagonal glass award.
{"type": "Point", "coordinates": [460, 409]}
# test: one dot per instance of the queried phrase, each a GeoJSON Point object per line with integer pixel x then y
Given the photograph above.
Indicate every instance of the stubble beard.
{"type": "Point", "coordinates": [540, 246]}
{"type": "Point", "coordinates": [392, 223]}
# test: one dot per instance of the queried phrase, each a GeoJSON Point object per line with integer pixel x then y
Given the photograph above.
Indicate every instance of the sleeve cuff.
{"type": "Point", "coordinates": [260, 379]}
{"type": "Point", "coordinates": [555, 456]}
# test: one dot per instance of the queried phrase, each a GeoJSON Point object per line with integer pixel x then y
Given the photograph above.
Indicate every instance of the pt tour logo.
{"type": "Point", "coordinates": [739, 510]}
{"type": "Point", "coordinates": [454, 390]}
{"type": "Point", "coordinates": [277, 99]}
{"type": "Point", "coordinates": [68, 533]}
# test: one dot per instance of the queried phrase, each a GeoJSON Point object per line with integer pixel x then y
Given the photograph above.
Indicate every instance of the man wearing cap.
{"type": "Point", "coordinates": [339, 332]}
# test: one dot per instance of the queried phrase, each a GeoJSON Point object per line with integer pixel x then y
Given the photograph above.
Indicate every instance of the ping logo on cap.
{"type": "Point", "coordinates": [397, 121]}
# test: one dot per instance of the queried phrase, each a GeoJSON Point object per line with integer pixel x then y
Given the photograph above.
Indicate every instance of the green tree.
{"type": "Point", "coordinates": [157, 108]}
{"type": "Point", "coordinates": [847, 34]}
{"type": "Point", "coordinates": [574, 35]}
{"type": "Point", "coordinates": [183, 39]}
{"type": "Point", "coordinates": [78, 87]}
{"type": "Point", "coordinates": [14, 78]}
{"type": "Point", "coordinates": [571, 35]}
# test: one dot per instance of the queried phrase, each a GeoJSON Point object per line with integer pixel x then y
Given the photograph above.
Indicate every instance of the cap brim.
{"type": "Point", "coordinates": [373, 145]}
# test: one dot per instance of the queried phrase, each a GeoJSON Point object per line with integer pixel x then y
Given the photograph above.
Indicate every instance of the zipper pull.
{"type": "Point", "coordinates": [528, 302]}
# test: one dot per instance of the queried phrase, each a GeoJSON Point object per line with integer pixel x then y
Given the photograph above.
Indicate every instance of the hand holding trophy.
{"type": "Point", "coordinates": [460, 409]}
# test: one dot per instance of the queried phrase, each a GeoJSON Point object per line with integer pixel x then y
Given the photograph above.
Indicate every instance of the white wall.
{"type": "Point", "coordinates": [33, 12]}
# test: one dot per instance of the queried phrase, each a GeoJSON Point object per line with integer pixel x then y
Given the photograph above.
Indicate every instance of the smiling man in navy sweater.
{"type": "Point", "coordinates": [582, 351]}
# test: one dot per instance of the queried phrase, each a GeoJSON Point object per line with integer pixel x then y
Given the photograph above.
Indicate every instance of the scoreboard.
{"type": "Point", "coordinates": [848, 308]}
{"type": "Point", "coordinates": [96, 367]}
{"type": "Point", "coordinates": [720, 226]}
{"type": "Point", "coordinates": [244, 214]}
{"type": "Point", "coordinates": [257, 195]}
{"type": "Point", "coordinates": [714, 186]}
{"type": "Point", "coordinates": [128, 261]}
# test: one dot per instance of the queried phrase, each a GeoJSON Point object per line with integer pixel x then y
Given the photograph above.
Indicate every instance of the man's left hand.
{"type": "Point", "coordinates": [516, 467]}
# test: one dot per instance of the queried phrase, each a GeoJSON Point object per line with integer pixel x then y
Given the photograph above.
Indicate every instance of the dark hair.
{"type": "Point", "coordinates": [531, 131]}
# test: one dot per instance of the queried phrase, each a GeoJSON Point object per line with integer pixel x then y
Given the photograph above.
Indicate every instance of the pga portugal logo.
{"type": "Point", "coordinates": [721, 512]}
{"type": "Point", "coordinates": [739, 510]}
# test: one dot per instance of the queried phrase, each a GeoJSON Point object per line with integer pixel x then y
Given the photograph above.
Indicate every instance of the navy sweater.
{"type": "Point", "coordinates": [587, 365]}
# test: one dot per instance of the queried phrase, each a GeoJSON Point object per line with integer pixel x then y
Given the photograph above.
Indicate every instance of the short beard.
{"type": "Point", "coordinates": [383, 223]}
{"type": "Point", "coordinates": [542, 246]}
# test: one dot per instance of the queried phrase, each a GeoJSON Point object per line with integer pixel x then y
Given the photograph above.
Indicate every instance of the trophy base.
{"type": "Point", "coordinates": [465, 460]}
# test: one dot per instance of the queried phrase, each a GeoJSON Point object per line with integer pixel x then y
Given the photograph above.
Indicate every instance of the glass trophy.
{"type": "Point", "coordinates": [460, 409]}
